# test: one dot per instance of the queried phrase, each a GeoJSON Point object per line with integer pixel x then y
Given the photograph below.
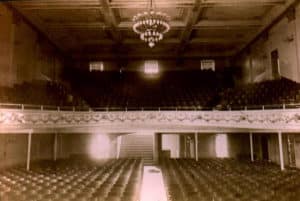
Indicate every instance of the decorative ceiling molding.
{"type": "Point", "coordinates": [228, 23]}
{"type": "Point", "coordinates": [274, 16]}
{"type": "Point", "coordinates": [111, 21]}
{"type": "Point", "coordinates": [93, 4]}
{"type": "Point", "coordinates": [194, 14]}
{"type": "Point", "coordinates": [36, 25]}
{"type": "Point", "coordinates": [253, 3]}
{"type": "Point", "coordinates": [154, 55]}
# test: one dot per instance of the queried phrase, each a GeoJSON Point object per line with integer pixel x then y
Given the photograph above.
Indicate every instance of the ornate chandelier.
{"type": "Point", "coordinates": [151, 25]}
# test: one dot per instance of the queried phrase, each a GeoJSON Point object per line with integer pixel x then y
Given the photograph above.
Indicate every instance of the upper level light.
{"type": "Point", "coordinates": [96, 66]}
{"type": "Point", "coordinates": [208, 65]}
{"type": "Point", "coordinates": [151, 67]}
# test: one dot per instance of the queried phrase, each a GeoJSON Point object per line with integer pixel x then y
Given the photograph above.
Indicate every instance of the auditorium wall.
{"type": "Point", "coordinates": [164, 64]}
{"type": "Point", "coordinates": [13, 148]}
{"type": "Point", "coordinates": [25, 54]}
{"type": "Point", "coordinates": [86, 145]}
{"type": "Point", "coordinates": [284, 37]}
{"type": "Point", "coordinates": [257, 147]}
{"type": "Point", "coordinates": [237, 145]}
{"type": "Point", "coordinates": [74, 144]}
{"type": "Point", "coordinates": [206, 145]}
{"type": "Point", "coordinates": [171, 142]}
{"type": "Point", "coordinates": [42, 147]}
{"type": "Point", "coordinates": [297, 150]}
{"type": "Point", "coordinates": [273, 148]}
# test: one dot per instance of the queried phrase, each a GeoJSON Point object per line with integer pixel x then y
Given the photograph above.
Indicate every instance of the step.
{"type": "Point", "coordinates": [137, 146]}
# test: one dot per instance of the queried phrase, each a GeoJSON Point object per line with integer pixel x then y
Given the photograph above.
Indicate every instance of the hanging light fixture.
{"type": "Point", "coordinates": [151, 25]}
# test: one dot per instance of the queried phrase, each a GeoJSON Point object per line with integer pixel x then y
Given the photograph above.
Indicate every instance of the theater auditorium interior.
{"type": "Point", "coordinates": [150, 100]}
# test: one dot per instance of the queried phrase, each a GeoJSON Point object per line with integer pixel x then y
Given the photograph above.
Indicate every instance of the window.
{"type": "Point", "coordinates": [99, 146]}
{"type": "Point", "coordinates": [151, 67]}
{"type": "Point", "coordinates": [96, 66]}
{"type": "Point", "coordinates": [208, 65]}
{"type": "Point", "coordinates": [221, 145]}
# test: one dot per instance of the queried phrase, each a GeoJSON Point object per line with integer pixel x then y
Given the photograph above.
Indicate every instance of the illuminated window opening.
{"type": "Point", "coordinates": [96, 66]}
{"type": "Point", "coordinates": [99, 146]}
{"type": "Point", "coordinates": [208, 65]}
{"type": "Point", "coordinates": [151, 67]}
{"type": "Point", "coordinates": [221, 146]}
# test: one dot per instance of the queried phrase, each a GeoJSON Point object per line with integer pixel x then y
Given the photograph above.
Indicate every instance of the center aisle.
{"type": "Point", "coordinates": [153, 188]}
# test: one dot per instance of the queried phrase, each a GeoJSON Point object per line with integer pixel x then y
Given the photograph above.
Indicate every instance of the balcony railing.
{"type": "Point", "coordinates": [169, 108]}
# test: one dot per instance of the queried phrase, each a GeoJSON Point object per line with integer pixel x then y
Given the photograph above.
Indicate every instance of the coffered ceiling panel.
{"type": "Point", "coordinates": [223, 33]}
{"type": "Point", "coordinates": [95, 28]}
{"type": "Point", "coordinates": [127, 14]}
{"type": "Point", "coordinates": [236, 13]}
{"type": "Point", "coordinates": [70, 15]}
{"type": "Point", "coordinates": [145, 3]}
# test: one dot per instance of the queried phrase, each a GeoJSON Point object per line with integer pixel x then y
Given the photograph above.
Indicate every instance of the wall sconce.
{"type": "Point", "coordinates": [289, 38]}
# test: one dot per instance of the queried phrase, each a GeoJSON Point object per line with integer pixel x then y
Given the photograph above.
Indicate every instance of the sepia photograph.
{"type": "Point", "coordinates": [150, 100]}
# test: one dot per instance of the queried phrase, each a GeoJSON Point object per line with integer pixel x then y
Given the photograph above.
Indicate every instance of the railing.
{"type": "Point", "coordinates": [264, 118]}
{"type": "Point", "coordinates": [174, 108]}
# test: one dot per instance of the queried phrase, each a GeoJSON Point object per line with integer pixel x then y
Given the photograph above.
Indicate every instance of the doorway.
{"type": "Point", "coordinates": [275, 64]}
{"type": "Point", "coordinates": [297, 153]}
{"type": "Point", "coordinates": [265, 147]}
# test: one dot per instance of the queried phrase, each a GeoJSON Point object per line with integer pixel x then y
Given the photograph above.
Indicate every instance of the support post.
{"type": "Point", "coordinates": [55, 147]}
{"type": "Point", "coordinates": [196, 146]}
{"type": "Point", "coordinates": [119, 142]}
{"type": "Point", "coordinates": [280, 150]}
{"type": "Point", "coordinates": [28, 151]}
{"type": "Point", "coordinates": [251, 147]}
{"type": "Point", "coordinates": [185, 147]}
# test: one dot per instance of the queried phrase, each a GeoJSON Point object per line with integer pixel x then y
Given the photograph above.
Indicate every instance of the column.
{"type": "Point", "coordinates": [155, 146]}
{"type": "Point", "coordinates": [280, 150]}
{"type": "Point", "coordinates": [185, 147]}
{"type": "Point", "coordinates": [28, 151]}
{"type": "Point", "coordinates": [196, 146]}
{"type": "Point", "coordinates": [251, 146]}
{"type": "Point", "coordinates": [55, 147]}
{"type": "Point", "coordinates": [119, 142]}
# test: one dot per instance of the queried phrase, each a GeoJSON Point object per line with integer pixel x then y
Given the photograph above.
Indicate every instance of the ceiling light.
{"type": "Point", "coordinates": [151, 25]}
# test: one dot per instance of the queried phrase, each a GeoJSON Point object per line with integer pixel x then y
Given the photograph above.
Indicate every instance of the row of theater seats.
{"type": "Point", "coordinates": [115, 180]}
{"type": "Point", "coordinates": [191, 94]}
{"type": "Point", "coordinates": [199, 89]}
{"type": "Point", "coordinates": [39, 92]}
{"type": "Point", "coordinates": [229, 180]}
{"type": "Point", "coordinates": [172, 89]}
{"type": "Point", "coordinates": [282, 91]}
{"type": "Point", "coordinates": [190, 90]}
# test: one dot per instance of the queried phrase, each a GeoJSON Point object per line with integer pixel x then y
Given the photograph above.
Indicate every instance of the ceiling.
{"type": "Point", "coordinates": [102, 29]}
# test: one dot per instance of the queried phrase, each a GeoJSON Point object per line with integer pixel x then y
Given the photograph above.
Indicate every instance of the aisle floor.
{"type": "Point", "coordinates": [153, 188]}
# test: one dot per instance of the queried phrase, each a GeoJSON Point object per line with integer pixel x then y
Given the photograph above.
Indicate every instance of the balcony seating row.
{"type": "Point", "coordinates": [39, 92]}
{"type": "Point", "coordinates": [195, 89]}
{"type": "Point", "coordinates": [181, 90]}
{"type": "Point", "coordinates": [172, 89]}
{"type": "Point", "coordinates": [282, 91]}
